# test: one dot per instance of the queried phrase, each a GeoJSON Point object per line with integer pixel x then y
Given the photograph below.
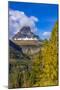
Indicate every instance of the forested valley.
{"type": "Point", "coordinates": [40, 69]}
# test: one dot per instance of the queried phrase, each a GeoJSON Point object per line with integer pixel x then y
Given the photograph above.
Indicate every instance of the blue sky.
{"type": "Point", "coordinates": [44, 15]}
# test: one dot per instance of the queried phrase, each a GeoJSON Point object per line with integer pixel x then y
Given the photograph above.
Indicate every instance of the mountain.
{"type": "Point", "coordinates": [15, 51]}
{"type": "Point", "coordinates": [25, 32]}
{"type": "Point", "coordinates": [14, 46]}
{"type": "Point", "coordinates": [29, 46]}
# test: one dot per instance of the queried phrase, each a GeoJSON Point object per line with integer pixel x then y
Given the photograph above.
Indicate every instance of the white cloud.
{"type": "Point", "coordinates": [18, 19]}
{"type": "Point", "coordinates": [34, 18]}
{"type": "Point", "coordinates": [46, 34]}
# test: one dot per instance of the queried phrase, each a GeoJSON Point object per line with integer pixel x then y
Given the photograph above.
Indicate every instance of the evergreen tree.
{"type": "Point", "coordinates": [51, 59]}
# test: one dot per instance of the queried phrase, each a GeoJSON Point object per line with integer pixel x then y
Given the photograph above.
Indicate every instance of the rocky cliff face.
{"type": "Point", "coordinates": [28, 46]}
{"type": "Point", "coordinates": [16, 52]}
{"type": "Point", "coordinates": [25, 32]}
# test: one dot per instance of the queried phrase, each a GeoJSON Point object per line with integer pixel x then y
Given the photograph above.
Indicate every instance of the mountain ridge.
{"type": "Point", "coordinates": [25, 32]}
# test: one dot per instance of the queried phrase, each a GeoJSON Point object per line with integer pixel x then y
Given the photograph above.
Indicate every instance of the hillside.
{"type": "Point", "coordinates": [15, 51]}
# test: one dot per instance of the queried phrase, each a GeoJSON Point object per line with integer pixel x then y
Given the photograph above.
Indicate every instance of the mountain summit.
{"type": "Point", "coordinates": [25, 33]}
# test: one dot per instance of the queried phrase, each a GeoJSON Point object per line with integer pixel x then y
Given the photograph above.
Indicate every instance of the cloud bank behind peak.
{"type": "Point", "coordinates": [18, 19]}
